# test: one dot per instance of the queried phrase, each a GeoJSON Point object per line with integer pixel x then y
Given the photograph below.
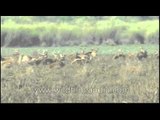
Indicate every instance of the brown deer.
{"type": "Point", "coordinates": [85, 57]}
{"type": "Point", "coordinates": [119, 55]}
{"type": "Point", "coordinates": [8, 62]}
{"type": "Point", "coordinates": [92, 54]}
{"type": "Point", "coordinates": [59, 63]}
{"type": "Point", "coordinates": [80, 58]}
{"type": "Point", "coordinates": [142, 54]}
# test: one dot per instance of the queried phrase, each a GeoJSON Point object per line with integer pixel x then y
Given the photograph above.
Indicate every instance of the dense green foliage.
{"type": "Point", "coordinates": [32, 19]}
{"type": "Point", "coordinates": [27, 31]}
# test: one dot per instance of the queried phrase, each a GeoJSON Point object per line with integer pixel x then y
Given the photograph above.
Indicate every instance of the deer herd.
{"type": "Point", "coordinates": [60, 60]}
{"type": "Point", "coordinates": [44, 59]}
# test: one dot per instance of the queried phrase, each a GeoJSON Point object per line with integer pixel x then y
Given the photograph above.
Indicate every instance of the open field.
{"type": "Point", "coordinates": [103, 80]}
{"type": "Point", "coordinates": [102, 49]}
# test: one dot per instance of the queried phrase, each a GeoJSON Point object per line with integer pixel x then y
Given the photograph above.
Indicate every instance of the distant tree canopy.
{"type": "Point", "coordinates": [30, 19]}
{"type": "Point", "coordinates": [25, 31]}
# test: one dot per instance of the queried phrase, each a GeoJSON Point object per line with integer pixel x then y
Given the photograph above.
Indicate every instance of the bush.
{"type": "Point", "coordinates": [79, 32]}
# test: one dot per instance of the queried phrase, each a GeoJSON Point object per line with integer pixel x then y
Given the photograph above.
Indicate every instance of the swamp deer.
{"type": "Point", "coordinates": [120, 55]}
{"type": "Point", "coordinates": [142, 54]}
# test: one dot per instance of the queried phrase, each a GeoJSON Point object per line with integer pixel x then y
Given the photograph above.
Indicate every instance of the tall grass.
{"type": "Point", "coordinates": [53, 34]}
{"type": "Point", "coordinates": [102, 81]}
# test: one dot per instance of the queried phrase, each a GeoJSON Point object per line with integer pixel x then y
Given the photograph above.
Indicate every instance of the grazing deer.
{"type": "Point", "coordinates": [44, 54]}
{"type": "Point", "coordinates": [92, 54]}
{"type": "Point", "coordinates": [41, 58]}
{"type": "Point", "coordinates": [45, 60]}
{"type": "Point", "coordinates": [142, 54]}
{"type": "Point", "coordinates": [23, 59]}
{"type": "Point", "coordinates": [58, 58]}
{"type": "Point", "coordinates": [35, 61]}
{"type": "Point", "coordinates": [14, 56]}
{"type": "Point", "coordinates": [85, 57]}
{"type": "Point", "coordinates": [8, 62]}
{"type": "Point", "coordinates": [11, 60]}
{"type": "Point", "coordinates": [80, 58]}
{"type": "Point", "coordinates": [58, 63]}
{"type": "Point", "coordinates": [119, 55]}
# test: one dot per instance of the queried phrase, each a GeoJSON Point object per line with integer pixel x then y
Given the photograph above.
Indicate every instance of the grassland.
{"type": "Point", "coordinates": [104, 80]}
{"type": "Point", "coordinates": [102, 49]}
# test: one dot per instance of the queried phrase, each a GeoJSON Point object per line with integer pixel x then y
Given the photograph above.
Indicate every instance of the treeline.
{"type": "Point", "coordinates": [32, 19]}
{"type": "Point", "coordinates": [25, 31]}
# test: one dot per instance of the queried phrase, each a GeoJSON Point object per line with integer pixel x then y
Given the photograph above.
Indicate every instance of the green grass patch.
{"type": "Point", "coordinates": [102, 49]}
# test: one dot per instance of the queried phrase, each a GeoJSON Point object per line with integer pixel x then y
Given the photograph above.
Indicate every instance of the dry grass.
{"type": "Point", "coordinates": [102, 81]}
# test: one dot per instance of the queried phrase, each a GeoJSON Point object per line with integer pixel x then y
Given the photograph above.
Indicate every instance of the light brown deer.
{"type": "Point", "coordinates": [85, 57]}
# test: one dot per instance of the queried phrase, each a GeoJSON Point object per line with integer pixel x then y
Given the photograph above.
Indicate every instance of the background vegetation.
{"type": "Point", "coordinates": [25, 31]}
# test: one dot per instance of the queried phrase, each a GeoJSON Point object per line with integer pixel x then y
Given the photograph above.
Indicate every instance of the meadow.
{"type": "Point", "coordinates": [102, 49]}
{"type": "Point", "coordinates": [103, 80]}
